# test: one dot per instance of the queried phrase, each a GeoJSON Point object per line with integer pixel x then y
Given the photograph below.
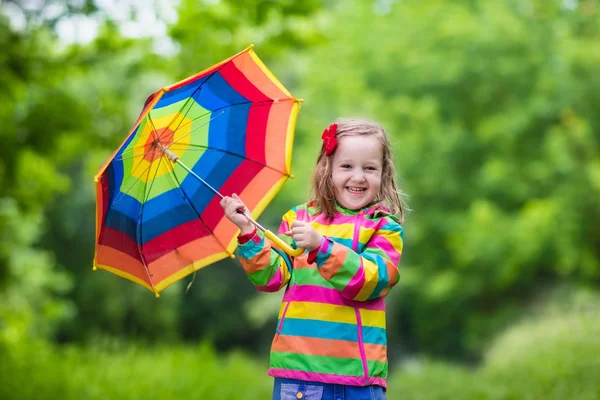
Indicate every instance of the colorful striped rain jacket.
{"type": "Point", "coordinates": [331, 325]}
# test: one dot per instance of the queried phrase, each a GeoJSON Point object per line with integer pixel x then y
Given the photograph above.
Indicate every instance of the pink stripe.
{"type": "Point", "coordinates": [356, 283]}
{"type": "Point", "coordinates": [348, 219]}
{"type": "Point", "coordinates": [326, 378]}
{"type": "Point", "coordinates": [385, 245]}
{"type": "Point", "coordinates": [302, 215]}
{"type": "Point", "coordinates": [256, 238]}
{"type": "Point", "coordinates": [274, 284]}
{"type": "Point", "coordinates": [283, 228]}
{"type": "Point", "coordinates": [361, 345]}
{"type": "Point", "coordinates": [319, 294]}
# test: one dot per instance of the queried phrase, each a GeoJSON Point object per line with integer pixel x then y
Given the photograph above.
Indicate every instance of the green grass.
{"type": "Point", "coordinates": [43, 372]}
{"type": "Point", "coordinates": [551, 358]}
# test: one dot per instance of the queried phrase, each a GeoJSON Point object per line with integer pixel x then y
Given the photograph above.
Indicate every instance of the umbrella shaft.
{"type": "Point", "coordinates": [215, 191]}
{"type": "Point", "coordinates": [176, 159]}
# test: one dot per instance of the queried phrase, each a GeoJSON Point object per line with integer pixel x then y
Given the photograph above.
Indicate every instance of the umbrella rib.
{"type": "Point", "coordinates": [146, 196]}
{"type": "Point", "coordinates": [153, 127]}
{"type": "Point", "coordinates": [230, 105]}
{"type": "Point", "coordinates": [198, 127]}
{"type": "Point", "coordinates": [178, 185]}
{"type": "Point", "coordinates": [191, 121]}
{"type": "Point", "coordinates": [188, 100]}
{"type": "Point", "coordinates": [133, 184]}
{"type": "Point", "coordinates": [200, 147]}
{"type": "Point", "coordinates": [139, 155]}
{"type": "Point", "coordinates": [202, 116]}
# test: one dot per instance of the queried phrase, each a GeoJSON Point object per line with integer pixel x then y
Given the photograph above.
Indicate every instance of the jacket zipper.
{"type": "Point", "coordinates": [280, 327]}
{"type": "Point", "coordinates": [361, 345]}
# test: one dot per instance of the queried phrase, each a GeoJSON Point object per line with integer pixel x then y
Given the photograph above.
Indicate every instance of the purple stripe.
{"type": "Point", "coordinates": [319, 294]}
{"type": "Point", "coordinates": [274, 284]}
{"type": "Point", "coordinates": [326, 378]}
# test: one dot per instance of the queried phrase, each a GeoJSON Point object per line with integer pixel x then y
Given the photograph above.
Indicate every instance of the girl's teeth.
{"type": "Point", "coordinates": [353, 190]}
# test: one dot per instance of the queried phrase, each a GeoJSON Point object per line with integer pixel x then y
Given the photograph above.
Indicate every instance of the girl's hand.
{"type": "Point", "coordinates": [305, 235]}
{"type": "Point", "coordinates": [231, 205]}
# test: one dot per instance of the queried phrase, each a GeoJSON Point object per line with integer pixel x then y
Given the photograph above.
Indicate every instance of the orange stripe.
{"type": "Point", "coordinates": [207, 70]}
{"type": "Point", "coordinates": [108, 256]}
{"type": "Point", "coordinates": [257, 77]}
{"type": "Point", "coordinates": [376, 352]}
{"type": "Point", "coordinates": [259, 186]}
{"type": "Point", "coordinates": [301, 262]}
{"type": "Point", "coordinates": [276, 135]}
{"type": "Point", "coordinates": [333, 264]}
{"type": "Point", "coordinates": [183, 257]}
{"type": "Point", "coordinates": [315, 346]}
{"type": "Point", "coordinates": [327, 347]}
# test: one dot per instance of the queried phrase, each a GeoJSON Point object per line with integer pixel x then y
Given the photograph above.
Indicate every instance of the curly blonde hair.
{"type": "Point", "coordinates": [323, 190]}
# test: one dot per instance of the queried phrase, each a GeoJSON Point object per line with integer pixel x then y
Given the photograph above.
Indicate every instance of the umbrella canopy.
{"type": "Point", "coordinates": [227, 129]}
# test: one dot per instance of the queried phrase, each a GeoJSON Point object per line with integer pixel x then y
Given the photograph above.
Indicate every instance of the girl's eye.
{"type": "Point", "coordinates": [371, 168]}
{"type": "Point", "coordinates": [346, 166]}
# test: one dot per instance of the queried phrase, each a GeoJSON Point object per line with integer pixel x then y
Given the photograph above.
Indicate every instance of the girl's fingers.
{"type": "Point", "coordinates": [288, 233]}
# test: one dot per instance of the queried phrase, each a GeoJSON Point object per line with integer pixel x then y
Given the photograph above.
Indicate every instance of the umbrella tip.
{"type": "Point", "coordinates": [157, 295]}
{"type": "Point", "coordinates": [300, 100]}
{"type": "Point", "coordinates": [232, 256]}
{"type": "Point", "coordinates": [292, 176]}
{"type": "Point", "coordinates": [94, 268]}
{"type": "Point", "coordinates": [96, 180]}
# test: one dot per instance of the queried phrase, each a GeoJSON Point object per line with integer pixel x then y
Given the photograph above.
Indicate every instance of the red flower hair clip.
{"type": "Point", "coordinates": [329, 140]}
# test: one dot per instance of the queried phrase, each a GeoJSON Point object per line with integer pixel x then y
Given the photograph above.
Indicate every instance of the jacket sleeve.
{"type": "Point", "coordinates": [268, 268]}
{"type": "Point", "coordinates": [366, 275]}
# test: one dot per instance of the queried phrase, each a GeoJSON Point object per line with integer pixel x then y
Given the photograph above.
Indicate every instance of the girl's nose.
{"type": "Point", "coordinates": [359, 176]}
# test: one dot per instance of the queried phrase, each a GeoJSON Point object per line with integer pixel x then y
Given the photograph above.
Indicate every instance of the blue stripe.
{"type": "Point", "coordinates": [122, 223]}
{"type": "Point", "coordinates": [332, 330]}
{"type": "Point", "coordinates": [383, 278]}
{"type": "Point", "coordinates": [217, 93]}
{"type": "Point", "coordinates": [181, 93]}
{"type": "Point", "coordinates": [250, 249]}
{"type": "Point", "coordinates": [171, 218]}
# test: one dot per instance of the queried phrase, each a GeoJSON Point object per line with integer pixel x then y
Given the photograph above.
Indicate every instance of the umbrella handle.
{"type": "Point", "coordinates": [283, 245]}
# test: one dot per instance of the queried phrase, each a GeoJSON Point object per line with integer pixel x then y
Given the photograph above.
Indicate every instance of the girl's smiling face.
{"type": "Point", "coordinates": [356, 170]}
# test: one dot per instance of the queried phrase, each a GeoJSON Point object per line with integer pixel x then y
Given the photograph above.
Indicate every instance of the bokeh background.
{"type": "Point", "coordinates": [493, 111]}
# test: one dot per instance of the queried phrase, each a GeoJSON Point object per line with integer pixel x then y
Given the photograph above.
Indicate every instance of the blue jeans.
{"type": "Point", "coordinates": [291, 389]}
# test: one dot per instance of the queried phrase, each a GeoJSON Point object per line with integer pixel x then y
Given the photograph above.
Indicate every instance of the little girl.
{"type": "Point", "coordinates": [330, 340]}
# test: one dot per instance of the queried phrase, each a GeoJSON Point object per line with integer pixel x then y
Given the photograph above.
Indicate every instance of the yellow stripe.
{"type": "Point", "coordinates": [125, 275]}
{"type": "Point", "coordinates": [396, 241]}
{"type": "Point", "coordinates": [371, 278]}
{"type": "Point", "coordinates": [290, 137]}
{"type": "Point", "coordinates": [336, 230]}
{"type": "Point", "coordinates": [268, 72]}
{"type": "Point", "coordinates": [366, 234]}
{"type": "Point", "coordinates": [185, 271]}
{"type": "Point", "coordinates": [333, 313]}
{"type": "Point", "coordinates": [373, 318]}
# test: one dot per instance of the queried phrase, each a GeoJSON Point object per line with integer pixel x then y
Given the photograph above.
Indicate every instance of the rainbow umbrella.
{"type": "Point", "coordinates": [227, 129]}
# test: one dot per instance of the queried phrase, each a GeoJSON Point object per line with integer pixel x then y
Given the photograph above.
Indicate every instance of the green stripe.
{"type": "Point", "coordinates": [262, 277]}
{"type": "Point", "coordinates": [310, 276]}
{"type": "Point", "coordinates": [378, 368]}
{"type": "Point", "coordinates": [347, 271]}
{"type": "Point", "coordinates": [320, 364]}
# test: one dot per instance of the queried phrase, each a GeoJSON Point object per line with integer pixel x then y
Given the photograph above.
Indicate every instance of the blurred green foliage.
{"type": "Point", "coordinates": [492, 112]}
